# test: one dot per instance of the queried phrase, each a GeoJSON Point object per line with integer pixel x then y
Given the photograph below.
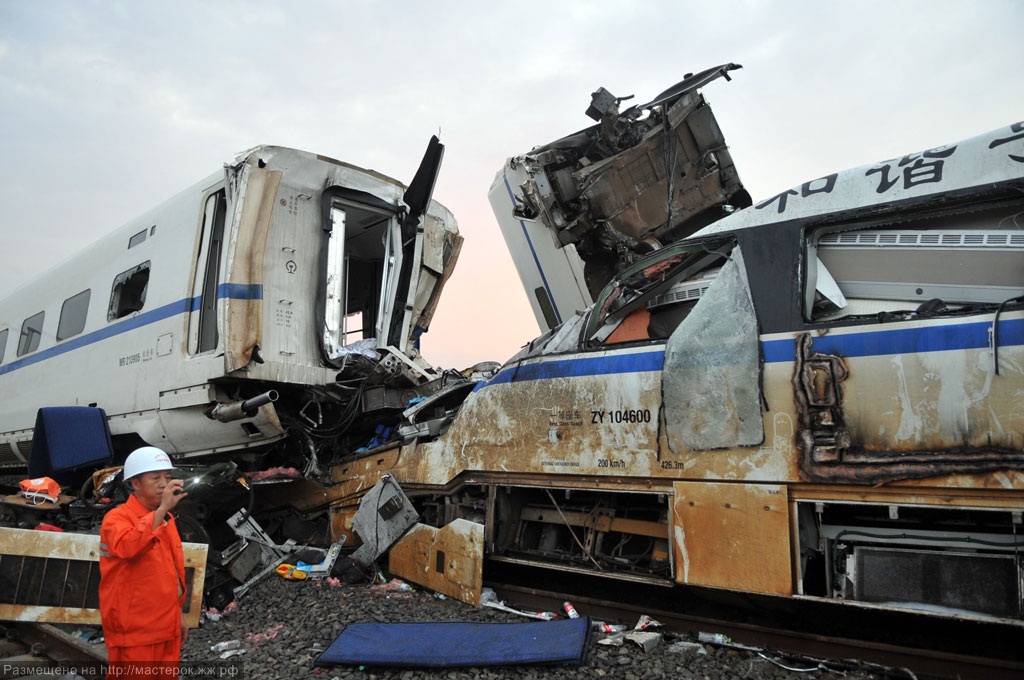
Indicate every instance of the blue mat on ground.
{"type": "Point", "coordinates": [460, 643]}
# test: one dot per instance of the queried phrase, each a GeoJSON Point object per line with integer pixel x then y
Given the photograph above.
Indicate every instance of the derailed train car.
{"type": "Point", "coordinates": [818, 395]}
{"type": "Point", "coordinates": [256, 326]}
{"type": "Point", "coordinates": [256, 313]}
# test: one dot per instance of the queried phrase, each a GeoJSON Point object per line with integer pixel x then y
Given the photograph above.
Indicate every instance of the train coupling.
{"type": "Point", "coordinates": [238, 410]}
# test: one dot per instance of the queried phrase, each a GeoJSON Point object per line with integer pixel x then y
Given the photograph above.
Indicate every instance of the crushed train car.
{"type": "Point", "coordinates": [257, 326]}
{"type": "Point", "coordinates": [815, 396]}
{"type": "Point", "coordinates": [588, 205]}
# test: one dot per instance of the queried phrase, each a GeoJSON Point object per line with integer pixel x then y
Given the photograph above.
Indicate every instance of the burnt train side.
{"type": "Point", "coordinates": [818, 396]}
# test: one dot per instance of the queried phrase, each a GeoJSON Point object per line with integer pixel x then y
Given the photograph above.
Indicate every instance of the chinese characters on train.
{"type": "Point", "coordinates": [904, 173]}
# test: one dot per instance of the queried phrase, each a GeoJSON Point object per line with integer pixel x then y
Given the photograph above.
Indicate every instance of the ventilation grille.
{"type": "Point", "coordinates": [685, 291]}
{"type": "Point", "coordinates": [932, 239]}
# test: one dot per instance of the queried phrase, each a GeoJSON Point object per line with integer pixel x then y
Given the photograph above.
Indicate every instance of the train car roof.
{"type": "Point", "coordinates": [973, 165]}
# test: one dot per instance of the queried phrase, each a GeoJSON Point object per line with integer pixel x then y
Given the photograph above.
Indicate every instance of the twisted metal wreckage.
{"type": "Point", "coordinates": [816, 395]}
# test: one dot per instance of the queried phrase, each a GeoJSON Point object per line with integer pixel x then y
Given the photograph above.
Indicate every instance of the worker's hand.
{"type": "Point", "coordinates": [184, 630]}
{"type": "Point", "coordinates": [172, 495]}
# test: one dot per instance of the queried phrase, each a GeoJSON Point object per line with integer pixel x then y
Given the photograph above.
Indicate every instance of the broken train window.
{"type": "Point", "coordinates": [651, 298]}
{"type": "Point", "coordinates": [363, 257]}
{"type": "Point", "coordinates": [128, 292]}
{"type": "Point", "coordinates": [921, 265]}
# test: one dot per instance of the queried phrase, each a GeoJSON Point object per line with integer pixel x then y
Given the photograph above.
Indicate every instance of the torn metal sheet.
{"type": "Point", "coordinates": [448, 560]}
{"type": "Point", "coordinates": [384, 515]}
{"type": "Point", "coordinates": [54, 577]}
{"type": "Point", "coordinates": [711, 377]}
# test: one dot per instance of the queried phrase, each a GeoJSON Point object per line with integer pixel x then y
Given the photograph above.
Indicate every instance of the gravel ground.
{"type": "Point", "coordinates": [283, 625]}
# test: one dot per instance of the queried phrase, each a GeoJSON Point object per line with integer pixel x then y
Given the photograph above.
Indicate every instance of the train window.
{"type": "Point", "coordinates": [651, 298]}
{"type": "Point", "coordinates": [948, 262]}
{"type": "Point", "coordinates": [352, 327]}
{"type": "Point", "coordinates": [72, 315]}
{"type": "Point", "coordinates": [3, 343]}
{"type": "Point", "coordinates": [137, 239]}
{"type": "Point", "coordinates": [128, 293]}
{"type": "Point", "coordinates": [31, 332]}
{"type": "Point", "coordinates": [360, 274]}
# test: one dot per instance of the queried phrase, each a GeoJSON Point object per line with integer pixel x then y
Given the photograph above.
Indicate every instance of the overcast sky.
{"type": "Point", "coordinates": [107, 108]}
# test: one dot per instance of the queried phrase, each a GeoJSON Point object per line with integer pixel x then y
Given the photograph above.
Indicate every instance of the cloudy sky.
{"type": "Point", "coordinates": [107, 107]}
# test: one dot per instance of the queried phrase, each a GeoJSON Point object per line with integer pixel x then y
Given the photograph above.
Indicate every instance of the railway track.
{"type": "Point", "coordinates": [898, 644]}
{"type": "Point", "coordinates": [43, 650]}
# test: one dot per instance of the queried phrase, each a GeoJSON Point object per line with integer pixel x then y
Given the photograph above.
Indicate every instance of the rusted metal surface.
{"type": "Point", "coordinates": [54, 577]}
{"type": "Point", "coordinates": [647, 175]}
{"type": "Point", "coordinates": [913, 494]}
{"type": "Point", "coordinates": [448, 560]}
{"type": "Point", "coordinates": [245, 317]}
{"type": "Point", "coordinates": [732, 536]}
{"type": "Point", "coordinates": [868, 422]}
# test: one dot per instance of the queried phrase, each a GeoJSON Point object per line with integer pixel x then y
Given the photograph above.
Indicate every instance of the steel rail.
{"type": "Point", "coordinates": [833, 651]}
{"type": "Point", "coordinates": [50, 647]}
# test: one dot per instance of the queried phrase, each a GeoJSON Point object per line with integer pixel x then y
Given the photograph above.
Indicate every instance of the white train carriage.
{"type": "Point", "coordinates": [285, 275]}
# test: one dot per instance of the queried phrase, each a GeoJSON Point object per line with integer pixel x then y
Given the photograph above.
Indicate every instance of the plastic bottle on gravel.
{"type": "Point", "coordinates": [570, 610]}
{"type": "Point", "coordinates": [226, 645]}
{"type": "Point", "coordinates": [714, 638]}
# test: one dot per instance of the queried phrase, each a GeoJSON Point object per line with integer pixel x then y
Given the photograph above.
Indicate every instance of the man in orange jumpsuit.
{"type": "Point", "coordinates": [142, 571]}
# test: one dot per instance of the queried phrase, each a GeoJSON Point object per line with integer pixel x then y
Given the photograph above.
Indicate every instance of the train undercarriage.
{"type": "Point", "coordinates": [909, 552]}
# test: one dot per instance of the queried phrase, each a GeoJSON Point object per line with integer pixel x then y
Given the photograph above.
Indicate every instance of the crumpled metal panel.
{"type": "Point", "coordinates": [448, 560]}
{"type": "Point", "coordinates": [643, 177]}
{"type": "Point", "coordinates": [441, 249]}
{"type": "Point", "coordinates": [710, 383]}
{"type": "Point", "coordinates": [686, 161]}
{"type": "Point", "coordinates": [245, 317]}
{"type": "Point", "coordinates": [384, 514]}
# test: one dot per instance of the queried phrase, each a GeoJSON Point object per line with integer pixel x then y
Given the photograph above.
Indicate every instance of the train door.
{"type": "Point", "coordinates": [203, 334]}
{"type": "Point", "coordinates": [359, 273]}
{"type": "Point", "coordinates": [696, 299]}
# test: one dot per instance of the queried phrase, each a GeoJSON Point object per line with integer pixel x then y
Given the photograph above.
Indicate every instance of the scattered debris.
{"type": "Point", "coordinates": [384, 514]}
{"type": "Point", "coordinates": [714, 638]}
{"type": "Point", "coordinates": [647, 640]}
{"type": "Point", "coordinates": [686, 647]}
{"type": "Point", "coordinates": [602, 627]}
{"type": "Point", "coordinates": [488, 598]}
{"type": "Point", "coordinates": [268, 634]}
{"type": "Point", "coordinates": [226, 645]}
{"type": "Point", "coordinates": [291, 572]}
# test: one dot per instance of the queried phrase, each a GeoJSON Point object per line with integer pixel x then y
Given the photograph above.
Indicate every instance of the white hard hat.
{"type": "Point", "coordinates": [146, 459]}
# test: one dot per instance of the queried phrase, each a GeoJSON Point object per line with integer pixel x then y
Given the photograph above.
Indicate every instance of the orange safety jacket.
{"type": "Point", "coordinates": [142, 577]}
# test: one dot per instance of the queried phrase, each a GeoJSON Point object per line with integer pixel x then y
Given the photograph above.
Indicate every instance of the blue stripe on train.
{"type": "Point", "coordinates": [231, 291]}
{"type": "Point", "coordinates": [865, 344]}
